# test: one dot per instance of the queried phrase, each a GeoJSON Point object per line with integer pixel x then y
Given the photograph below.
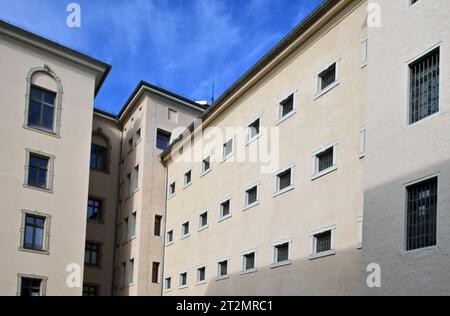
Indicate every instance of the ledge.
{"type": "Point", "coordinates": [285, 190]}
{"type": "Point", "coordinates": [284, 118]}
{"type": "Point", "coordinates": [246, 208]}
{"type": "Point", "coordinates": [324, 173]}
{"type": "Point", "coordinates": [326, 90]}
{"type": "Point", "coordinates": [322, 255]}
{"type": "Point", "coordinates": [281, 264]}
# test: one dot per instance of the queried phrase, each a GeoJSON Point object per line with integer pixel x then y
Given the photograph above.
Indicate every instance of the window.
{"type": "Point", "coordinates": [422, 214]}
{"type": "Point", "coordinates": [188, 178]}
{"type": "Point", "coordinates": [138, 136]}
{"type": "Point", "coordinates": [185, 230]}
{"type": "Point", "coordinates": [130, 271]}
{"type": "Point", "coordinates": [162, 139]}
{"type": "Point", "coordinates": [125, 226]}
{"type": "Point", "coordinates": [31, 286]}
{"type": "Point", "coordinates": [134, 180]}
{"type": "Point", "coordinates": [365, 46]}
{"type": "Point", "coordinates": [172, 116]}
{"type": "Point", "coordinates": [34, 233]}
{"type": "Point", "coordinates": [362, 142]}
{"type": "Point", "coordinates": [169, 237]}
{"type": "Point", "coordinates": [324, 160]}
{"type": "Point", "coordinates": [249, 262]}
{"type": "Point", "coordinates": [253, 130]}
{"type": "Point", "coordinates": [322, 242]}
{"type": "Point", "coordinates": [38, 170]}
{"type": "Point", "coordinates": [183, 280]}
{"type": "Point", "coordinates": [411, 2]}
{"type": "Point", "coordinates": [167, 284]}
{"type": "Point", "coordinates": [251, 196]}
{"type": "Point", "coordinates": [287, 107]}
{"type": "Point", "coordinates": [206, 164]}
{"type": "Point", "coordinates": [222, 269]}
{"type": "Point", "coordinates": [201, 275]}
{"type": "Point", "coordinates": [128, 191]}
{"type": "Point", "coordinates": [157, 229]}
{"type": "Point", "coordinates": [228, 149]}
{"type": "Point", "coordinates": [328, 78]}
{"type": "Point", "coordinates": [131, 221]}
{"type": "Point", "coordinates": [284, 180]}
{"type": "Point", "coordinates": [92, 254]}
{"type": "Point", "coordinates": [41, 109]}
{"type": "Point", "coordinates": [90, 290]}
{"type": "Point", "coordinates": [155, 272]}
{"type": "Point", "coordinates": [94, 211]}
{"type": "Point", "coordinates": [172, 189]}
{"type": "Point", "coordinates": [282, 253]}
{"type": "Point", "coordinates": [225, 209]}
{"type": "Point", "coordinates": [424, 86]}
{"type": "Point", "coordinates": [203, 221]}
{"type": "Point", "coordinates": [98, 157]}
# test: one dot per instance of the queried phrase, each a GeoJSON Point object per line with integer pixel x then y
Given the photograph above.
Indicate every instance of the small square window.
{"type": "Point", "coordinates": [183, 280]}
{"type": "Point", "coordinates": [228, 149]}
{"type": "Point", "coordinates": [90, 290]}
{"type": "Point", "coordinates": [327, 77]}
{"type": "Point", "coordinates": [322, 243]}
{"type": "Point", "coordinates": [284, 180]}
{"type": "Point", "coordinates": [287, 106]}
{"type": "Point", "coordinates": [324, 160]}
{"type": "Point", "coordinates": [222, 269]}
{"type": "Point", "coordinates": [169, 237]}
{"type": "Point", "coordinates": [253, 130]}
{"type": "Point", "coordinates": [249, 262]}
{"type": "Point", "coordinates": [225, 208]}
{"type": "Point", "coordinates": [251, 196]}
{"type": "Point", "coordinates": [167, 284]}
{"type": "Point", "coordinates": [203, 220]}
{"type": "Point", "coordinates": [206, 164]}
{"type": "Point", "coordinates": [185, 229]}
{"type": "Point", "coordinates": [201, 274]}
{"type": "Point", "coordinates": [188, 178]}
{"type": "Point", "coordinates": [282, 253]}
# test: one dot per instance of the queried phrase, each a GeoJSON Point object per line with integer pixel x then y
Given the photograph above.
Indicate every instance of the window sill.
{"type": "Point", "coordinates": [201, 283]}
{"type": "Point", "coordinates": [285, 190]}
{"type": "Point", "coordinates": [249, 271]}
{"type": "Point", "coordinates": [37, 189]}
{"type": "Point", "coordinates": [204, 173]}
{"type": "Point", "coordinates": [322, 255]}
{"type": "Point", "coordinates": [185, 236]}
{"type": "Point", "coordinates": [246, 208]}
{"type": "Point", "coordinates": [326, 90]}
{"type": "Point", "coordinates": [362, 156]}
{"type": "Point", "coordinates": [254, 139]}
{"type": "Point", "coordinates": [187, 186]}
{"type": "Point", "coordinates": [36, 252]}
{"type": "Point", "coordinates": [169, 244]}
{"type": "Point", "coordinates": [184, 287]}
{"type": "Point", "coordinates": [167, 291]}
{"type": "Point", "coordinates": [284, 118]}
{"type": "Point", "coordinates": [203, 228]}
{"type": "Point", "coordinates": [281, 264]}
{"type": "Point", "coordinates": [364, 65]}
{"type": "Point", "coordinates": [324, 173]}
{"type": "Point", "coordinates": [417, 251]}
{"type": "Point", "coordinates": [424, 120]}
{"type": "Point", "coordinates": [225, 218]}
{"type": "Point", "coordinates": [171, 196]}
{"type": "Point", "coordinates": [224, 159]}
{"type": "Point", "coordinates": [42, 131]}
{"type": "Point", "coordinates": [222, 278]}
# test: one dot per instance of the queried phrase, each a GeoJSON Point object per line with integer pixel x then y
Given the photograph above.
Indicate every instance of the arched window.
{"type": "Point", "coordinates": [43, 101]}
{"type": "Point", "coordinates": [99, 153]}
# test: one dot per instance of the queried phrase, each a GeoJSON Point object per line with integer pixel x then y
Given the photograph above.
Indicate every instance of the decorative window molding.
{"type": "Point", "coordinates": [43, 285]}
{"type": "Point", "coordinates": [50, 170]}
{"type": "Point", "coordinates": [46, 234]}
{"type": "Point", "coordinates": [58, 101]}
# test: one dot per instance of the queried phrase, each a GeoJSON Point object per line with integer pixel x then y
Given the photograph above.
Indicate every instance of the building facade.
{"type": "Point", "coordinates": [48, 94]}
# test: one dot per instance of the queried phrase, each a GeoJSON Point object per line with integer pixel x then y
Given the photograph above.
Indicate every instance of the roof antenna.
{"type": "Point", "coordinates": [213, 90]}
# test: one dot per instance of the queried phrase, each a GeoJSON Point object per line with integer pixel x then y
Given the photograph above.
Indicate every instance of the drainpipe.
{"type": "Point", "coordinates": [166, 176]}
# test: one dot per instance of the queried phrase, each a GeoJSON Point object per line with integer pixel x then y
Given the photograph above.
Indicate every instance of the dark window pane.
{"type": "Point", "coordinates": [282, 252]}
{"type": "Point", "coordinates": [98, 157]}
{"type": "Point", "coordinates": [326, 159]}
{"type": "Point", "coordinates": [34, 113]}
{"type": "Point", "coordinates": [30, 287]}
{"type": "Point", "coordinates": [250, 261]}
{"type": "Point", "coordinates": [323, 242]}
{"type": "Point", "coordinates": [47, 118]}
{"type": "Point", "coordinates": [252, 195]}
{"type": "Point", "coordinates": [41, 110]}
{"type": "Point", "coordinates": [90, 290]}
{"type": "Point", "coordinates": [155, 272]}
{"type": "Point", "coordinates": [157, 229]}
{"type": "Point", "coordinates": [37, 171]}
{"type": "Point", "coordinates": [225, 208]}
{"type": "Point", "coordinates": [95, 209]}
{"type": "Point", "coordinates": [284, 179]}
{"type": "Point", "coordinates": [162, 140]}
{"type": "Point", "coordinates": [328, 77]}
{"type": "Point", "coordinates": [34, 233]}
{"type": "Point", "coordinates": [287, 106]}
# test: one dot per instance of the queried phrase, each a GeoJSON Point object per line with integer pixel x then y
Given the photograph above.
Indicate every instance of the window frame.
{"type": "Point", "coordinates": [248, 206]}
{"type": "Point", "coordinates": [170, 233]}
{"type": "Point", "coordinates": [101, 211]}
{"type": "Point", "coordinates": [198, 281]}
{"type": "Point", "coordinates": [248, 138]}
{"type": "Point", "coordinates": [221, 276]}
{"type": "Point", "coordinates": [166, 280]}
{"type": "Point", "coordinates": [280, 118]}
{"type": "Point", "coordinates": [203, 170]}
{"type": "Point", "coordinates": [183, 225]}
{"type": "Point", "coordinates": [157, 228]}
{"type": "Point", "coordinates": [277, 191]}
{"type": "Point", "coordinates": [99, 246]}
{"type": "Point", "coordinates": [50, 170]}
{"type": "Point", "coordinates": [172, 193]}
{"type": "Point", "coordinates": [186, 183]}
{"type": "Point", "coordinates": [200, 226]}
{"type": "Point", "coordinates": [313, 254]}
{"type": "Point", "coordinates": [46, 232]}
{"type": "Point", "coordinates": [230, 214]}
{"type": "Point", "coordinates": [244, 269]}
{"type": "Point", "coordinates": [319, 91]}
{"type": "Point", "coordinates": [182, 286]}
{"type": "Point", "coordinates": [360, 226]}
{"type": "Point", "coordinates": [157, 279]}
{"type": "Point", "coordinates": [43, 279]}
{"type": "Point", "coordinates": [161, 131]}
{"type": "Point", "coordinates": [226, 157]}
{"type": "Point", "coordinates": [315, 161]}
{"type": "Point", "coordinates": [275, 262]}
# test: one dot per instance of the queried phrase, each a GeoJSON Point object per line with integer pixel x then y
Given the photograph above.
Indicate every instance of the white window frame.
{"type": "Point", "coordinates": [205, 172]}
{"type": "Point", "coordinates": [168, 243]}
{"type": "Point", "coordinates": [131, 260]}
{"type": "Point", "coordinates": [166, 289]}
{"type": "Point", "coordinates": [318, 79]}
{"type": "Point", "coordinates": [183, 235]}
{"type": "Point", "coordinates": [180, 285]}
{"type": "Point", "coordinates": [198, 281]}
{"type": "Point", "coordinates": [248, 206]}
{"type": "Point", "coordinates": [360, 225]}
{"type": "Point", "coordinates": [362, 142]}
{"type": "Point", "coordinates": [187, 184]}
{"type": "Point", "coordinates": [132, 223]}
{"type": "Point", "coordinates": [315, 161]}
{"type": "Point", "coordinates": [46, 234]}
{"type": "Point", "coordinates": [313, 255]}
{"type": "Point", "coordinates": [50, 170]}
{"type": "Point", "coordinates": [200, 227]}
{"type": "Point", "coordinates": [276, 264]}
{"type": "Point", "coordinates": [277, 191]}
{"type": "Point", "coordinates": [365, 51]}
{"type": "Point", "coordinates": [221, 217]}
{"type": "Point", "coordinates": [248, 138]}
{"type": "Point", "coordinates": [243, 262]}
{"type": "Point", "coordinates": [280, 119]}
{"type": "Point", "coordinates": [172, 194]}
{"type": "Point", "coordinates": [223, 277]}
{"type": "Point", "coordinates": [233, 141]}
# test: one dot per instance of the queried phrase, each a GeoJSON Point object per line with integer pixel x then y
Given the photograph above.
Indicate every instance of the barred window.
{"type": "Point", "coordinates": [287, 106]}
{"type": "Point", "coordinates": [249, 262]}
{"type": "Point", "coordinates": [223, 268]}
{"type": "Point", "coordinates": [327, 77]}
{"type": "Point", "coordinates": [284, 180]}
{"type": "Point", "coordinates": [323, 242]}
{"type": "Point", "coordinates": [251, 195]}
{"type": "Point", "coordinates": [282, 253]}
{"type": "Point", "coordinates": [424, 86]}
{"type": "Point", "coordinates": [422, 215]}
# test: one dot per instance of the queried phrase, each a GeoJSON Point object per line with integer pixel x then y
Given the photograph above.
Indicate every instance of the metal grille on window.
{"type": "Point", "coordinates": [326, 159]}
{"type": "Point", "coordinates": [422, 215]}
{"type": "Point", "coordinates": [424, 87]}
{"type": "Point", "coordinates": [225, 208]}
{"type": "Point", "coordinates": [252, 195]}
{"type": "Point", "coordinates": [287, 106]}
{"type": "Point", "coordinates": [323, 242]}
{"type": "Point", "coordinates": [282, 252]}
{"type": "Point", "coordinates": [249, 261]}
{"type": "Point", "coordinates": [285, 179]}
{"type": "Point", "coordinates": [328, 77]}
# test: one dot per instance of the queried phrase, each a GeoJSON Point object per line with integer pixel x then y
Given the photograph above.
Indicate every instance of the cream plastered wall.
{"type": "Point", "coordinates": [149, 201]}
{"type": "Point", "coordinates": [104, 186]}
{"type": "Point", "coordinates": [335, 199]}
{"type": "Point", "coordinates": [67, 203]}
{"type": "Point", "coordinates": [398, 154]}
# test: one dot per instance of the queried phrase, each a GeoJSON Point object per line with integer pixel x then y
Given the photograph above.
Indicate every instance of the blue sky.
{"type": "Point", "coordinates": [180, 45]}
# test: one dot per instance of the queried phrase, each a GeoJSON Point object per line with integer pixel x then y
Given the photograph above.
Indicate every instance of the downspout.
{"type": "Point", "coordinates": [166, 176]}
{"type": "Point", "coordinates": [116, 222]}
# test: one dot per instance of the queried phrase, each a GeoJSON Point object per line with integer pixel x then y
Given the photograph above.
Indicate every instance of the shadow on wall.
{"type": "Point", "coordinates": [419, 272]}
{"type": "Point", "coordinates": [335, 275]}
